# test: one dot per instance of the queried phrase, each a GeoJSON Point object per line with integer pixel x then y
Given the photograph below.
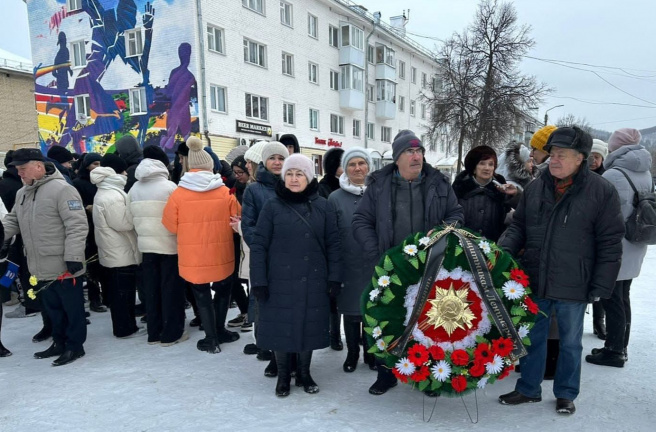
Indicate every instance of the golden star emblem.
{"type": "Point", "coordinates": [450, 310]}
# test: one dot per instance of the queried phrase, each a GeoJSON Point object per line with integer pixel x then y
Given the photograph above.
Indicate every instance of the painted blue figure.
{"type": "Point", "coordinates": [179, 89]}
{"type": "Point", "coordinates": [62, 65]}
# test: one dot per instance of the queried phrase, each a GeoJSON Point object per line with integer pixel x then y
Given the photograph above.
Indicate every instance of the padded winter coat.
{"type": "Point", "coordinates": [199, 211]}
{"type": "Point", "coordinates": [147, 199]}
{"type": "Point", "coordinates": [50, 217]}
{"type": "Point", "coordinates": [572, 247]}
{"type": "Point", "coordinates": [255, 196]}
{"type": "Point", "coordinates": [115, 235]}
{"type": "Point", "coordinates": [286, 256]}
{"type": "Point", "coordinates": [635, 161]}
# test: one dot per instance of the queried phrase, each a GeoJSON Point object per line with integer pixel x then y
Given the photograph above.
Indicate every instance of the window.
{"type": "Point", "coordinates": [370, 54]}
{"type": "Point", "coordinates": [385, 91]}
{"type": "Point", "coordinates": [336, 124]}
{"type": "Point", "coordinates": [314, 119]}
{"type": "Point", "coordinates": [385, 134]}
{"type": "Point", "coordinates": [79, 54]}
{"type": "Point", "coordinates": [352, 78]}
{"type": "Point", "coordinates": [356, 128]}
{"type": "Point", "coordinates": [82, 108]}
{"type": "Point", "coordinates": [423, 79]}
{"type": "Point", "coordinates": [423, 111]}
{"type": "Point", "coordinates": [73, 5]}
{"type": "Point", "coordinates": [401, 103]}
{"type": "Point", "coordinates": [370, 93]}
{"type": "Point", "coordinates": [255, 5]}
{"type": "Point", "coordinates": [138, 103]}
{"type": "Point", "coordinates": [412, 108]}
{"type": "Point", "coordinates": [401, 69]}
{"type": "Point", "coordinates": [413, 75]}
{"type": "Point", "coordinates": [286, 13]}
{"type": "Point", "coordinates": [254, 53]}
{"type": "Point", "coordinates": [385, 55]}
{"type": "Point", "coordinates": [133, 43]}
{"type": "Point", "coordinates": [370, 131]}
{"type": "Point", "coordinates": [318, 164]}
{"type": "Point", "coordinates": [288, 114]}
{"type": "Point", "coordinates": [287, 64]}
{"type": "Point", "coordinates": [437, 83]}
{"type": "Point", "coordinates": [313, 26]}
{"type": "Point", "coordinates": [218, 98]}
{"type": "Point", "coordinates": [257, 107]}
{"type": "Point", "coordinates": [215, 39]}
{"type": "Point", "coordinates": [333, 36]}
{"type": "Point", "coordinates": [353, 36]}
{"type": "Point", "coordinates": [334, 80]}
{"type": "Point", "coordinates": [313, 72]}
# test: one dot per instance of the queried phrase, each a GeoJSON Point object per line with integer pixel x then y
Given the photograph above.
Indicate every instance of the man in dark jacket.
{"type": "Point", "coordinates": [402, 198]}
{"type": "Point", "coordinates": [129, 150]}
{"type": "Point", "coordinates": [570, 226]}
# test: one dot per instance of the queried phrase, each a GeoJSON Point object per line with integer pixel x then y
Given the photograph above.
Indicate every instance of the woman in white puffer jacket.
{"type": "Point", "coordinates": [117, 243]}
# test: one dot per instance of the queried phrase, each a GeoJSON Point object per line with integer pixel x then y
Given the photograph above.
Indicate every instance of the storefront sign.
{"type": "Point", "coordinates": [330, 142]}
{"type": "Point", "coordinates": [253, 128]}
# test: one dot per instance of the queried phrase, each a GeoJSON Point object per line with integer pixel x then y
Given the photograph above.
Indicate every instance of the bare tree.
{"type": "Point", "coordinates": [571, 120]}
{"type": "Point", "coordinates": [482, 91]}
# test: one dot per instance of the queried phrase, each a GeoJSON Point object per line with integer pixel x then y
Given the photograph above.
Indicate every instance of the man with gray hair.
{"type": "Point", "coordinates": [50, 217]}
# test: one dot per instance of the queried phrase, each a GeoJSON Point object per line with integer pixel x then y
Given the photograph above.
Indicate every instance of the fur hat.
{"type": "Point", "coordinates": [156, 152]}
{"type": "Point", "coordinates": [198, 158]}
{"type": "Point", "coordinates": [115, 162]}
{"type": "Point", "coordinates": [541, 136]}
{"type": "Point", "coordinates": [300, 162]}
{"type": "Point", "coordinates": [332, 160]}
{"type": "Point", "coordinates": [254, 153]}
{"type": "Point", "coordinates": [403, 141]}
{"type": "Point", "coordinates": [478, 154]}
{"type": "Point", "coordinates": [60, 154]}
{"type": "Point", "coordinates": [355, 152]}
{"type": "Point", "coordinates": [274, 148]}
{"type": "Point", "coordinates": [599, 147]}
{"type": "Point", "coordinates": [573, 138]}
{"type": "Point", "coordinates": [622, 137]}
{"type": "Point", "coordinates": [290, 139]}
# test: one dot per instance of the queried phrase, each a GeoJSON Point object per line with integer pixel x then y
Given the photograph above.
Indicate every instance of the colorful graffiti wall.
{"type": "Point", "coordinates": [107, 68]}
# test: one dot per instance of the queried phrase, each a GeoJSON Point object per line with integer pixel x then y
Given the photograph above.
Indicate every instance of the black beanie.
{"type": "Point", "coordinates": [182, 150]}
{"type": "Point", "coordinates": [476, 155]}
{"type": "Point", "coordinates": [60, 154]}
{"type": "Point", "coordinates": [240, 163]}
{"type": "Point", "coordinates": [331, 161]}
{"type": "Point", "coordinates": [115, 162]}
{"type": "Point", "coordinates": [404, 140]}
{"type": "Point", "coordinates": [9, 157]}
{"type": "Point", "coordinates": [156, 152]}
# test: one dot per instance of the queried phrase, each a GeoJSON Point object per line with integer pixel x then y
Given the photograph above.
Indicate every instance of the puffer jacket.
{"type": "Point", "coordinates": [50, 217]}
{"type": "Point", "coordinates": [115, 235]}
{"type": "Point", "coordinates": [635, 161]}
{"type": "Point", "coordinates": [147, 199]}
{"type": "Point", "coordinates": [255, 196]}
{"type": "Point", "coordinates": [199, 212]}
{"type": "Point", "coordinates": [572, 248]}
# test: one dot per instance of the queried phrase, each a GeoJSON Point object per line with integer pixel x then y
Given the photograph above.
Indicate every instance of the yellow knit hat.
{"type": "Point", "coordinates": [541, 136]}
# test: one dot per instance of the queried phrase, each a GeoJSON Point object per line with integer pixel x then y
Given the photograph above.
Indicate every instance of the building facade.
{"type": "Point", "coordinates": [18, 127]}
{"type": "Point", "coordinates": [327, 71]}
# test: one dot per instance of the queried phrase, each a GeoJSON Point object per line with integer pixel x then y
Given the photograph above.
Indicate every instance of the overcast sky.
{"type": "Point", "coordinates": [613, 33]}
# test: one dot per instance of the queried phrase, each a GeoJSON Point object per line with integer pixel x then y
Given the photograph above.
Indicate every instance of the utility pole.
{"type": "Point", "coordinates": [546, 116]}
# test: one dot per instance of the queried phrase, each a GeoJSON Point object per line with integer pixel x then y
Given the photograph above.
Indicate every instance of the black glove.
{"type": "Point", "coordinates": [334, 288]}
{"type": "Point", "coordinates": [261, 293]}
{"type": "Point", "coordinates": [74, 266]}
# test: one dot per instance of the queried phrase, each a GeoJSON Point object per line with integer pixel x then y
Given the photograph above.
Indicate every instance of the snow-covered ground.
{"type": "Point", "coordinates": [127, 385]}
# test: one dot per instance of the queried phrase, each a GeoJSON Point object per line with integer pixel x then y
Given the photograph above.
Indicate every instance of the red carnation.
{"type": "Point", "coordinates": [459, 383]}
{"type": "Point", "coordinates": [420, 374]}
{"type": "Point", "coordinates": [502, 347]}
{"type": "Point", "coordinates": [460, 357]}
{"type": "Point", "coordinates": [531, 305]}
{"type": "Point", "coordinates": [400, 376]}
{"type": "Point", "coordinates": [483, 353]}
{"type": "Point", "coordinates": [478, 369]}
{"type": "Point", "coordinates": [519, 276]}
{"type": "Point", "coordinates": [418, 354]}
{"type": "Point", "coordinates": [436, 352]}
{"type": "Point", "coordinates": [506, 372]}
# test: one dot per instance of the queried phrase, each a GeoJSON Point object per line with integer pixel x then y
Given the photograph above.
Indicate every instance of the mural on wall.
{"type": "Point", "coordinates": [111, 68]}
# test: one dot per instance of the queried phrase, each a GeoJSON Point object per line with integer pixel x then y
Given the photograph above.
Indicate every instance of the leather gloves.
{"type": "Point", "coordinates": [74, 267]}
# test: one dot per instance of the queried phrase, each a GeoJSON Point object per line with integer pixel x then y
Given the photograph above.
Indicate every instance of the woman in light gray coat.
{"type": "Point", "coordinates": [627, 157]}
{"type": "Point", "coordinates": [356, 163]}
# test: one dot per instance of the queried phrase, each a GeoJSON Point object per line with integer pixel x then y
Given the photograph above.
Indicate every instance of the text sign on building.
{"type": "Point", "coordinates": [253, 128]}
{"type": "Point", "coordinates": [330, 142]}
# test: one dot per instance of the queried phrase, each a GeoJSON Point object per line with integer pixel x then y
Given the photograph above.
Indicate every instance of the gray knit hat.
{"type": "Point", "coordinates": [274, 148]}
{"type": "Point", "coordinates": [404, 140]}
{"type": "Point", "coordinates": [354, 152]}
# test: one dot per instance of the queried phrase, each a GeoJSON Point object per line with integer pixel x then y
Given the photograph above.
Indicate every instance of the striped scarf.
{"type": "Point", "coordinates": [561, 186]}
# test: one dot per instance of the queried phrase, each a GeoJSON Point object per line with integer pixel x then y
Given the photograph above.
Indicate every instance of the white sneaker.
{"type": "Point", "coordinates": [19, 312]}
{"type": "Point", "coordinates": [184, 337]}
{"type": "Point", "coordinates": [140, 332]}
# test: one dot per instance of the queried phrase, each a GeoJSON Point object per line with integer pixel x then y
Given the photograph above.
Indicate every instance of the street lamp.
{"type": "Point", "coordinates": [546, 117]}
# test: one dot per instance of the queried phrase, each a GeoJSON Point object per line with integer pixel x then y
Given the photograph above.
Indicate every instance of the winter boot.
{"type": "Point", "coordinates": [4, 352]}
{"type": "Point", "coordinates": [598, 320]}
{"type": "Point", "coordinates": [293, 365]}
{"type": "Point", "coordinates": [284, 377]}
{"type": "Point", "coordinates": [352, 332]}
{"type": "Point", "coordinates": [385, 381]}
{"type": "Point", "coordinates": [210, 343]}
{"type": "Point", "coordinates": [53, 350]}
{"type": "Point", "coordinates": [221, 304]}
{"type": "Point", "coordinates": [271, 370]}
{"type": "Point", "coordinates": [335, 331]}
{"type": "Point", "coordinates": [369, 358]}
{"type": "Point", "coordinates": [304, 360]}
{"type": "Point", "coordinates": [606, 357]}
{"type": "Point", "coordinates": [553, 349]}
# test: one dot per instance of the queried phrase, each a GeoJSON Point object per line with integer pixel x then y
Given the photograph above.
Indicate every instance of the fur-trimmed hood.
{"type": "Point", "coordinates": [512, 168]}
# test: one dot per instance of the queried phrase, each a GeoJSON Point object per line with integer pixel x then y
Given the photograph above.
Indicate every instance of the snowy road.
{"type": "Point", "coordinates": [127, 385]}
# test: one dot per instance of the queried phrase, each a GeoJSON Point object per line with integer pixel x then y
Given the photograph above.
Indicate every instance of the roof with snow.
{"type": "Point", "coordinates": [14, 62]}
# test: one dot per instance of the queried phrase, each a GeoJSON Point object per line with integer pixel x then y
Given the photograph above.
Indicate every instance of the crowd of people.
{"type": "Point", "coordinates": [295, 254]}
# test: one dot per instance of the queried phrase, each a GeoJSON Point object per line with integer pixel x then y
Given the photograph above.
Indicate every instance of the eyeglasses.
{"type": "Point", "coordinates": [238, 173]}
{"type": "Point", "coordinates": [414, 151]}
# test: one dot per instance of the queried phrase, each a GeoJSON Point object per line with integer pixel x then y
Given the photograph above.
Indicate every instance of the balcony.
{"type": "Point", "coordinates": [351, 47]}
{"type": "Point", "coordinates": [385, 63]}
{"type": "Point", "coordinates": [385, 99]}
{"type": "Point", "coordinates": [351, 87]}
{"type": "Point", "coordinates": [385, 110]}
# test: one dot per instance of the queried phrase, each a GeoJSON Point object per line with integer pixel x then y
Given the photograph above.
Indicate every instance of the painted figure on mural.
{"type": "Point", "coordinates": [181, 85]}
{"type": "Point", "coordinates": [62, 65]}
